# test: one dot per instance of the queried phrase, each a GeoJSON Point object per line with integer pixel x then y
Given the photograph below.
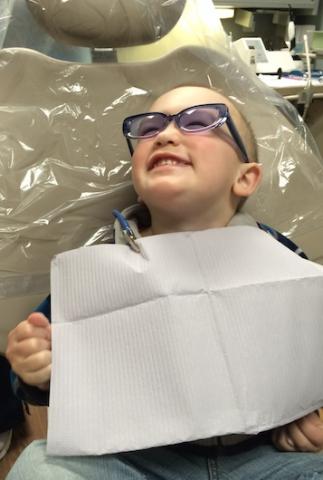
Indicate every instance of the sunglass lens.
{"type": "Point", "coordinates": [146, 125]}
{"type": "Point", "coordinates": [200, 118]}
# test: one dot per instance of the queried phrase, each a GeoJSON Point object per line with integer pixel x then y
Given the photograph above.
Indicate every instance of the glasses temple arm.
{"type": "Point", "coordinates": [129, 145]}
{"type": "Point", "coordinates": [235, 134]}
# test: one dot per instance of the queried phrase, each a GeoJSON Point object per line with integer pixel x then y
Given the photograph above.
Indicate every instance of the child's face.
{"type": "Point", "coordinates": [193, 169]}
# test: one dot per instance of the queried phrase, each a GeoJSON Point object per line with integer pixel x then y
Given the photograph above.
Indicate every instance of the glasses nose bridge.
{"type": "Point", "coordinates": [169, 133]}
{"type": "Point", "coordinates": [172, 119]}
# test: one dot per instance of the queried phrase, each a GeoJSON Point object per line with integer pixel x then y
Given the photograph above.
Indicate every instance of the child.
{"type": "Point", "coordinates": [191, 171]}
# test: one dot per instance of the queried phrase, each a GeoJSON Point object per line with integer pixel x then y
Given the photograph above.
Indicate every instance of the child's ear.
{"type": "Point", "coordinates": [247, 180]}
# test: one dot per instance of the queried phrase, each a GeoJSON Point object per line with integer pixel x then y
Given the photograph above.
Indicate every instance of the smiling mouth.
{"type": "Point", "coordinates": [172, 162]}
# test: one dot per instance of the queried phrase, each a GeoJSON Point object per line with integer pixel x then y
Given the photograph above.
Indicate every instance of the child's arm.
{"type": "Point", "coordinates": [303, 435]}
{"type": "Point", "coordinates": [29, 352]}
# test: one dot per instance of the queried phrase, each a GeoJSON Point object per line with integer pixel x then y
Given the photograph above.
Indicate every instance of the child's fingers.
{"type": "Point", "coordinates": [29, 356]}
{"type": "Point", "coordinates": [282, 440]}
{"type": "Point", "coordinates": [312, 428]}
{"type": "Point", "coordinates": [37, 362]}
{"type": "Point", "coordinates": [25, 330]}
{"type": "Point", "coordinates": [39, 377]}
{"type": "Point", "coordinates": [25, 340]}
{"type": "Point", "coordinates": [302, 442]}
{"type": "Point", "coordinates": [290, 438]}
{"type": "Point", "coordinates": [29, 346]}
{"type": "Point", "coordinates": [38, 320]}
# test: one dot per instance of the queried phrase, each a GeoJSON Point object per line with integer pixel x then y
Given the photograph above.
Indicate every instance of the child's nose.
{"type": "Point", "coordinates": [171, 134]}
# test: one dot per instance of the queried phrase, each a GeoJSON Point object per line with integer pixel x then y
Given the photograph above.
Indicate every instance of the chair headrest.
{"type": "Point", "coordinates": [107, 23]}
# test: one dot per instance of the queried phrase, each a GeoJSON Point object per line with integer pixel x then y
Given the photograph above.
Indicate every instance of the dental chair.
{"type": "Point", "coordinates": [64, 164]}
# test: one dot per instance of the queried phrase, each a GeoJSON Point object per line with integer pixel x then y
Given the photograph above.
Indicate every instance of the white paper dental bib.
{"type": "Point", "coordinates": [205, 333]}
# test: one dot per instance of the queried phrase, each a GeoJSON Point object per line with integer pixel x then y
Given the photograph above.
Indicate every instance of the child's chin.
{"type": "Point", "coordinates": [167, 197]}
{"type": "Point", "coordinates": [170, 181]}
{"type": "Point", "coordinates": [167, 189]}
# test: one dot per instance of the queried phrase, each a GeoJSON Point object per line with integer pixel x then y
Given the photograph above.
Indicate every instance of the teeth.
{"type": "Point", "coordinates": [167, 161]}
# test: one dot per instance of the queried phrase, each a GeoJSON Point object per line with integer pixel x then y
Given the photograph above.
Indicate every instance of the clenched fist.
{"type": "Point", "coordinates": [303, 435]}
{"type": "Point", "coordinates": [29, 350]}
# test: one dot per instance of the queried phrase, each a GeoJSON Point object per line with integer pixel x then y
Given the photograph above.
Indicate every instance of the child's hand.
{"type": "Point", "coordinates": [303, 435]}
{"type": "Point", "coordinates": [29, 350]}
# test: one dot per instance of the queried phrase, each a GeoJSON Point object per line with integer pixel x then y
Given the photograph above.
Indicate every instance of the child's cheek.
{"type": "Point", "coordinates": [138, 167]}
{"type": "Point", "coordinates": [140, 155]}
